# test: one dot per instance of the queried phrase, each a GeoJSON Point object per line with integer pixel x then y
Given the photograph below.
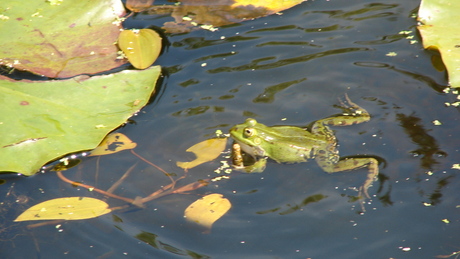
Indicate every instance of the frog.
{"type": "Point", "coordinates": [292, 144]}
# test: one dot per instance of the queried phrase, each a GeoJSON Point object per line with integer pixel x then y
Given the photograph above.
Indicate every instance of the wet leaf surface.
{"type": "Point", "coordinates": [44, 120]}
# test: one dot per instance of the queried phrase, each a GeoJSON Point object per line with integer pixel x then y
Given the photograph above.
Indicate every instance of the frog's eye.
{"type": "Point", "coordinates": [248, 132]}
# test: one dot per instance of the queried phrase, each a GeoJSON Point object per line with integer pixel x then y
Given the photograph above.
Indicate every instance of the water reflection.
{"type": "Point", "coordinates": [153, 240]}
{"type": "Point", "coordinates": [201, 42]}
{"type": "Point", "coordinates": [427, 80]}
{"type": "Point", "coordinates": [428, 146]}
{"type": "Point", "coordinates": [268, 96]}
{"type": "Point", "coordinates": [295, 207]}
{"type": "Point", "coordinates": [383, 40]}
{"type": "Point", "coordinates": [436, 195]}
{"type": "Point", "coordinates": [373, 7]}
{"type": "Point", "coordinates": [384, 198]}
{"type": "Point", "coordinates": [254, 64]}
{"type": "Point", "coordinates": [198, 110]}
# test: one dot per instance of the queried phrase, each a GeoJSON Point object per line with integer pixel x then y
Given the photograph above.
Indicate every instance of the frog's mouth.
{"type": "Point", "coordinates": [250, 150]}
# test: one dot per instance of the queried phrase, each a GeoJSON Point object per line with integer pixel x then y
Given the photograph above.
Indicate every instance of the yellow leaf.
{"type": "Point", "coordinates": [113, 143]}
{"type": "Point", "coordinates": [69, 208]}
{"type": "Point", "coordinates": [207, 210]}
{"type": "Point", "coordinates": [141, 47]}
{"type": "Point", "coordinates": [205, 151]}
{"type": "Point", "coordinates": [273, 5]}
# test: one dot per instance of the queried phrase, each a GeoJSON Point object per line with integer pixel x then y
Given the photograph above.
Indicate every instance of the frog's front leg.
{"type": "Point", "coordinates": [238, 162]}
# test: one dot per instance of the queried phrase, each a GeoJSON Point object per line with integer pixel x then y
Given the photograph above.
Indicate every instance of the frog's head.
{"type": "Point", "coordinates": [247, 136]}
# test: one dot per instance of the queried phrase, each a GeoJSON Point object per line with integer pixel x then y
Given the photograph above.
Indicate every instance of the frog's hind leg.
{"type": "Point", "coordinates": [352, 114]}
{"type": "Point", "coordinates": [331, 165]}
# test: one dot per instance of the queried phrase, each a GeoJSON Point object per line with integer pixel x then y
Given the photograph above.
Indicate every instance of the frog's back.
{"type": "Point", "coordinates": [298, 135]}
{"type": "Point", "coordinates": [293, 145]}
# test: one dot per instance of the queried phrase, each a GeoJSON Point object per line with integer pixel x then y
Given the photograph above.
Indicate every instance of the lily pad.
{"type": "Point", "coordinates": [440, 32]}
{"type": "Point", "coordinates": [60, 38]}
{"type": "Point", "coordinates": [43, 120]}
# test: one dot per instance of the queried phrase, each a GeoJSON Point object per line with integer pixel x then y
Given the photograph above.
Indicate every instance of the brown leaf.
{"type": "Point", "coordinates": [113, 143]}
{"type": "Point", "coordinates": [138, 5]}
{"type": "Point", "coordinates": [192, 14]}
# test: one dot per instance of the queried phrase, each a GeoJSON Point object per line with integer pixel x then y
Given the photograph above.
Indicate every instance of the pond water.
{"type": "Point", "coordinates": [281, 69]}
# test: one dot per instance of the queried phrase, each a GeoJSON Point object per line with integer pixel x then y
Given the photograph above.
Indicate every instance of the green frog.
{"type": "Point", "coordinates": [290, 144]}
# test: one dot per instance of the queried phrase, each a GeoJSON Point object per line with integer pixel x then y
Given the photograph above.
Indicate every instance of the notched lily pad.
{"type": "Point", "coordinates": [43, 120]}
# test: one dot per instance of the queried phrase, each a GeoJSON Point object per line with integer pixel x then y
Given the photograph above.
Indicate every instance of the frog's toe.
{"type": "Point", "coordinates": [363, 193]}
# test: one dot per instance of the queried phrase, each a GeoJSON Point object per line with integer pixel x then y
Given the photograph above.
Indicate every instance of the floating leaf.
{"type": "Point", "coordinates": [440, 31]}
{"type": "Point", "coordinates": [141, 47]}
{"type": "Point", "coordinates": [113, 143]}
{"type": "Point", "coordinates": [138, 5]}
{"type": "Point", "coordinates": [60, 40]}
{"type": "Point", "coordinates": [207, 210]}
{"type": "Point", "coordinates": [69, 208]}
{"type": "Point", "coordinates": [205, 151]}
{"type": "Point", "coordinates": [44, 120]}
{"type": "Point", "coordinates": [211, 14]}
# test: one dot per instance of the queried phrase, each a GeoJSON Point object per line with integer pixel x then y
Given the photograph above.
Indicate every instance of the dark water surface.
{"type": "Point", "coordinates": [293, 66]}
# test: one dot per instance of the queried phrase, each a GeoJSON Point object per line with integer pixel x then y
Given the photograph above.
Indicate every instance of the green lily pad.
{"type": "Point", "coordinates": [60, 38]}
{"type": "Point", "coordinates": [44, 120]}
{"type": "Point", "coordinates": [439, 30]}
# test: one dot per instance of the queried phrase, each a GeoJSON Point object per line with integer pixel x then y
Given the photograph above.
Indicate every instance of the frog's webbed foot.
{"type": "Point", "coordinates": [352, 114]}
{"type": "Point", "coordinates": [356, 114]}
{"type": "Point", "coordinates": [371, 177]}
{"type": "Point", "coordinates": [257, 167]}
